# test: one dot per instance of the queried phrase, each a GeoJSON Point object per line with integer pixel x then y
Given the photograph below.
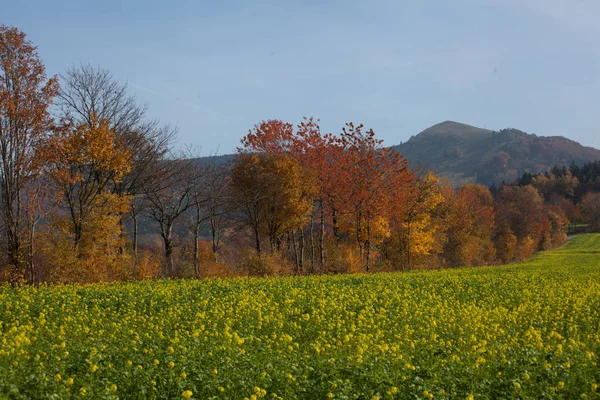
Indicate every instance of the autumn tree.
{"type": "Point", "coordinates": [555, 187]}
{"type": "Point", "coordinates": [273, 194]}
{"type": "Point", "coordinates": [369, 176]}
{"type": "Point", "coordinates": [277, 140]}
{"type": "Point", "coordinates": [84, 160]}
{"type": "Point", "coordinates": [88, 93]}
{"type": "Point", "coordinates": [470, 227]}
{"type": "Point", "coordinates": [590, 210]}
{"type": "Point", "coordinates": [520, 221]}
{"type": "Point", "coordinates": [25, 95]}
{"type": "Point", "coordinates": [416, 228]}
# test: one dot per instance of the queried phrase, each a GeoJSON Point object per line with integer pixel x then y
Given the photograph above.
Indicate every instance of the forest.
{"type": "Point", "coordinates": [93, 190]}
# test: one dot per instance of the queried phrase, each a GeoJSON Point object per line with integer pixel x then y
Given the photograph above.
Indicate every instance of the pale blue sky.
{"type": "Point", "coordinates": [215, 69]}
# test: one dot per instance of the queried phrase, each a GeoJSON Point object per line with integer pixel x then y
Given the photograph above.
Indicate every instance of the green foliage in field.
{"type": "Point", "coordinates": [528, 330]}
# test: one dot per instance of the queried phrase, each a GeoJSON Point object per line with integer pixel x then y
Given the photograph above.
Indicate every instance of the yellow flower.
{"type": "Point", "coordinates": [187, 394]}
{"type": "Point", "coordinates": [156, 362]}
{"type": "Point", "coordinates": [171, 364]}
{"type": "Point", "coordinates": [57, 377]}
{"type": "Point", "coordinates": [561, 385]}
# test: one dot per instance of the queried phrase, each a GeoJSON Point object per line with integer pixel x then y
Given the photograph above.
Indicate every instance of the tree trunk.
{"type": "Point", "coordinates": [32, 271]}
{"type": "Point", "coordinates": [368, 246]}
{"type": "Point", "coordinates": [168, 258]}
{"type": "Point", "coordinates": [322, 240]}
{"type": "Point", "coordinates": [312, 243]}
{"type": "Point", "coordinates": [135, 234]}
{"type": "Point", "coordinates": [11, 225]}
{"type": "Point", "coordinates": [196, 250]}
{"type": "Point", "coordinates": [336, 230]}
{"type": "Point", "coordinates": [293, 235]}
{"type": "Point", "coordinates": [257, 239]}
{"type": "Point", "coordinates": [359, 241]}
{"type": "Point", "coordinates": [301, 251]}
{"type": "Point", "coordinates": [408, 245]}
{"type": "Point", "coordinates": [168, 241]}
{"type": "Point", "coordinates": [215, 235]}
{"type": "Point", "coordinates": [121, 234]}
{"type": "Point", "coordinates": [78, 233]}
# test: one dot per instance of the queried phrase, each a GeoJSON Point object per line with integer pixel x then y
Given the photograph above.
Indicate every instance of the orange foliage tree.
{"type": "Point", "coordinates": [370, 174]}
{"type": "Point", "coordinates": [83, 161]}
{"type": "Point", "coordinates": [25, 95]}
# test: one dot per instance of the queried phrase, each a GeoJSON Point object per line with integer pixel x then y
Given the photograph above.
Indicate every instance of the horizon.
{"type": "Point", "coordinates": [216, 70]}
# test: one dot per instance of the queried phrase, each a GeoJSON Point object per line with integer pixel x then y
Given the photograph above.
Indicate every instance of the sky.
{"type": "Point", "coordinates": [216, 68]}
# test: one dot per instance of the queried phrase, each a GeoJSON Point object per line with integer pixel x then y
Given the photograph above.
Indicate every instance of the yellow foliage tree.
{"type": "Point", "coordinates": [274, 193]}
{"type": "Point", "coordinates": [418, 227]}
{"type": "Point", "coordinates": [83, 162]}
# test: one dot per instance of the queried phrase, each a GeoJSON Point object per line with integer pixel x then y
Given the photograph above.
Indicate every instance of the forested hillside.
{"type": "Point", "coordinates": [464, 153]}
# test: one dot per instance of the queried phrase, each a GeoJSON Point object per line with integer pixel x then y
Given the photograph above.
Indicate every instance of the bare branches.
{"type": "Point", "coordinates": [88, 91]}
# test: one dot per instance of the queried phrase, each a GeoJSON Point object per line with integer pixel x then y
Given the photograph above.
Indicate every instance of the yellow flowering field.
{"type": "Point", "coordinates": [529, 330]}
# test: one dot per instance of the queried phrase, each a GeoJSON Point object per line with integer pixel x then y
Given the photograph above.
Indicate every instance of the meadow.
{"type": "Point", "coordinates": [527, 331]}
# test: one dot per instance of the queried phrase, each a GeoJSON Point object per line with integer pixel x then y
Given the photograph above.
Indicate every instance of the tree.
{"type": "Point", "coordinates": [590, 210]}
{"type": "Point", "coordinates": [84, 160]}
{"type": "Point", "coordinates": [147, 145]}
{"type": "Point", "coordinates": [219, 205]}
{"type": "Point", "coordinates": [89, 93]}
{"type": "Point", "coordinates": [25, 95]}
{"type": "Point", "coordinates": [198, 178]}
{"type": "Point", "coordinates": [83, 238]}
{"type": "Point", "coordinates": [520, 219]}
{"type": "Point", "coordinates": [471, 227]}
{"type": "Point", "coordinates": [168, 196]}
{"type": "Point", "coordinates": [417, 228]}
{"type": "Point", "coordinates": [273, 194]}
{"type": "Point", "coordinates": [277, 139]}
{"type": "Point", "coordinates": [370, 176]}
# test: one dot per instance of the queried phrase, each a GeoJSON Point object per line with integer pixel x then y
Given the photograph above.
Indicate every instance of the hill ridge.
{"type": "Point", "coordinates": [467, 154]}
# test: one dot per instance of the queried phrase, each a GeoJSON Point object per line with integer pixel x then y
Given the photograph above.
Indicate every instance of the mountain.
{"type": "Point", "coordinates": [464, 153]}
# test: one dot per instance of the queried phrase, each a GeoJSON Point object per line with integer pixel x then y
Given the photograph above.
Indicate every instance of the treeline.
{"type": "Point", "coordinates": [94, 191]}
{"type": "Point", "coordinates": [575, 189]}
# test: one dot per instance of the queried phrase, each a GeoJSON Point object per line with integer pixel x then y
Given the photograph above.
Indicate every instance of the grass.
{"type": "Point", "coordinates": [528, 330]}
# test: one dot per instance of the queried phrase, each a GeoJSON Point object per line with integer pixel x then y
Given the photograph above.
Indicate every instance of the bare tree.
{"type": "Point", "coordinates": [220, 204]}
{"type": "Point", "coordinates": [199, 197]}
{"type": "Point", "coordinates": [211, 200]}
{"type": "Point", "coordinates": [147, 145]}
{"type": "Point", "coordinates": [168, 196]}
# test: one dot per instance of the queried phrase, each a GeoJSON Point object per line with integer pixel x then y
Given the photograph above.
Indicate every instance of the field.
{"type": "Point", "coordinates": [529, 330]}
